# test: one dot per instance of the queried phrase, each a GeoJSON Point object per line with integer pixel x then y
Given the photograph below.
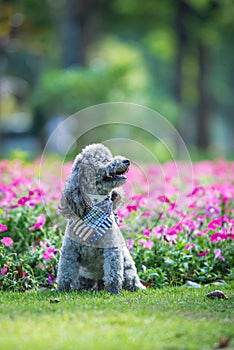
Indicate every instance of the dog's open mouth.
{"type": "Point", "coordinates": [120, 175]}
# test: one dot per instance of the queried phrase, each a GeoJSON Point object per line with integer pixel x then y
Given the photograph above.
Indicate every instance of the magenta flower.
{"type": "Point", "coordinates": [204, 253]}
{"type": "Point", "coordinates": [35, 191]}
{"type": "Point", "coordinates": [217, 253]}
{"type": "Point", "coordinates": [197, 190]}
{"type": "Point", "coordinates": [50, 278]}
{"type": "Point", "coordinates": [216, 222]}
{"type": "Point", "coordinates": [171, 235]}
{"type": "Point", "coordinates": [132, 207]}
{"type": "Point", "coordinates": [146, 244]}
{"type": "Point", "coordinates": [23, 200]}
{"type": "Point", "coordinates": [7, 241]}
{"type": "Point", "coordinates": [3, 228]}
{"type": "Point", "coordinates": [218, 236]}
{"type": "Point", "coordinates": [163, 199]}
{"type": "Point", "coordinates": [49, 253]}
{"type": "Point", "coordinates": [39, 223]}
{"type": "Point", "coordinates": [4, 271]}
{"type": "Point", "coordinates": [126, 211]}
{"type": "Point", "coordinates": [146, 232]}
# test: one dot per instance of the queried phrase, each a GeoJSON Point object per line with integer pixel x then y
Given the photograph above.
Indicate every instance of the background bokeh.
{"type": "Point", "coordinates": [60, 56]}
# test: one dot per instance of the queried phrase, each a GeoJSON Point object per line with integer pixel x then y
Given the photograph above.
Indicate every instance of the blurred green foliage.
{"type": "Point", "coordinates": [68, 91]}
{"type": "Point", "coordinates": [172, 56]}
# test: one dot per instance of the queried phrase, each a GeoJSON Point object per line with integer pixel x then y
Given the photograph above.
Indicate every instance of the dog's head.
{"type": "Point", "coordinates": [112, 174]}
{"type": "Point", "coordinates": [95, 171]}
{"type": "Point", "coordinates": [98, 172]}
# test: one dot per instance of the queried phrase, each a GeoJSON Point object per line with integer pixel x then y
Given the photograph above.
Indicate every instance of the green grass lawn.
{"type": "Point", "coordinates": [169, 318]}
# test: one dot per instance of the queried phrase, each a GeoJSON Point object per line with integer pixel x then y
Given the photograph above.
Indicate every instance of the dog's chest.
{"type": "Point", "coordinates": [97, 228]}
{"type": "Point", "coordinates": [91, 264]}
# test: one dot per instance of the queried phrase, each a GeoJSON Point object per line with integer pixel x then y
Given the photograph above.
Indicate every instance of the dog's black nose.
{"type": "Point", "coordinates": [126, 161]}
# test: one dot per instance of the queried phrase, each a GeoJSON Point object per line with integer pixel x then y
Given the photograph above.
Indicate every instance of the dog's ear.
{"type": "Point", "coordinates": [117, 197]}
{"type": "Point", "coordinates": [72, 191]}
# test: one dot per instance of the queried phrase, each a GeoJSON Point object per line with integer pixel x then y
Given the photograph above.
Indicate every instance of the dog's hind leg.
{"type": "Point", "coordinates": [113, 270]}
{"type": "Point", "coordinates": [68, 267]}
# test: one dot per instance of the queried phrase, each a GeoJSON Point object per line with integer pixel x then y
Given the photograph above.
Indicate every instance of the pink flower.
{"type": "Point", "coordinates": [3, 228]}
{"type": "Point", "coordinates": [200, 233]}
{"type": "Point", "coordinates": [158, 231]}
{"type": "Point", "coordinates": [49, 253]}
{"type": "Point", "coordinates": [163, 199]}
{"type": "Point", "coordinates": [132, 207]}
{"type": "Point", "coordinates": [39, 223]}
{"type": "Point", "coordinates": [146, 232]}
{"type": "Point", "coordinates": [130, 244]}
{"type": "Point", "coordinates": [4, 271]}
{"type": "Point", "coordinates": [198, 189]}
{"type": "Point", "coordinates": [218, 236]}
{"type": "Point", "coordinates": [171, 235]}
{"type": "Point", "coordinates": [7, 241]}
{"type": "Point", "coordinates": [218, 254]}
{"type": "Point", "coordinates": [147, 214]}
{"type": "Point", "coordinates": [23, 200]}
{"type": "Point", "coordinates": [36, 191]}
{"type": "Point", "coordinates": [188, 246]}
{"type": "Point", "coordinates": [126, 211]}
{"type": "Point", "coordinates": [204, 253]}
{"type": "Point", "coordinates": [172, 232]}
{"type": "Point", "coordinates": [50, 278]}
{"type": "Point", "coordinates": [140, 200]}
{"type": "Point", "coordinates": [123, 213]}
{"type": "Point", "coordinates": [216, 222]}
{"type": "Point", "coordinates": [146, 244]}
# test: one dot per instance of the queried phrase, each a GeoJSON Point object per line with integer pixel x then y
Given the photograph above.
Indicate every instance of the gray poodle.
{"type": "Point", "coordinates": [94, 255]}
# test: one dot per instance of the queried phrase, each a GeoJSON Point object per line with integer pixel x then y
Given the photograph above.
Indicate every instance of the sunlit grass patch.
{"type": "Point", "coordinates": [168, 318]}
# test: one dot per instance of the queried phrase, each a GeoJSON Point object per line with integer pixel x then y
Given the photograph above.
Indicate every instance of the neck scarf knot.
{"type": "Point", "coordinates": [96, 222]}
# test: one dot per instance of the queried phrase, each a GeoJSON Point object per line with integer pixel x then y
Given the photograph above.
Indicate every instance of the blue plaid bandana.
{"type": "Point", "coordinates": [96, 222]}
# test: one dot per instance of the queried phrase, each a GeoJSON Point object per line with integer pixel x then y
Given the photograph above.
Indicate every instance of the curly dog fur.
{"type": "Point", "coordinates": [107, 264]}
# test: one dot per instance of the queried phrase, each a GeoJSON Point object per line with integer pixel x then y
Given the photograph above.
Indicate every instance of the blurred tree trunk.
{"type": "Point", "coordinates": [202, 112]}
{"type": "Point", "coordinates": [181, 12]}
{"type": "Point", "coordinates": [72, 29]}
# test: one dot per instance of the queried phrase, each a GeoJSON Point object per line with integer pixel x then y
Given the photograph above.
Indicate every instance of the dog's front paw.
{"type": "Point", "coordinates": [140, 286]}
{"type": "Point", "coordinates": [132, 283]}
{"type": "Point", "coordinates": [113, 290]}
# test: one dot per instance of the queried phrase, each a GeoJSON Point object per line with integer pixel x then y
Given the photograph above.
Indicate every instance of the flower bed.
{"type": "Point", "coordinates": [177, 229]}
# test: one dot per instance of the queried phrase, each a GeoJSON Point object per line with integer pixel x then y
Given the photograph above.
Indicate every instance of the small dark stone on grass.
{"type": "Point", "coordinates": [216, 294]}
{"type": "Point", "coordinates": [54, 301]}
{"type": "Point", "coordinates": [223, 343]}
